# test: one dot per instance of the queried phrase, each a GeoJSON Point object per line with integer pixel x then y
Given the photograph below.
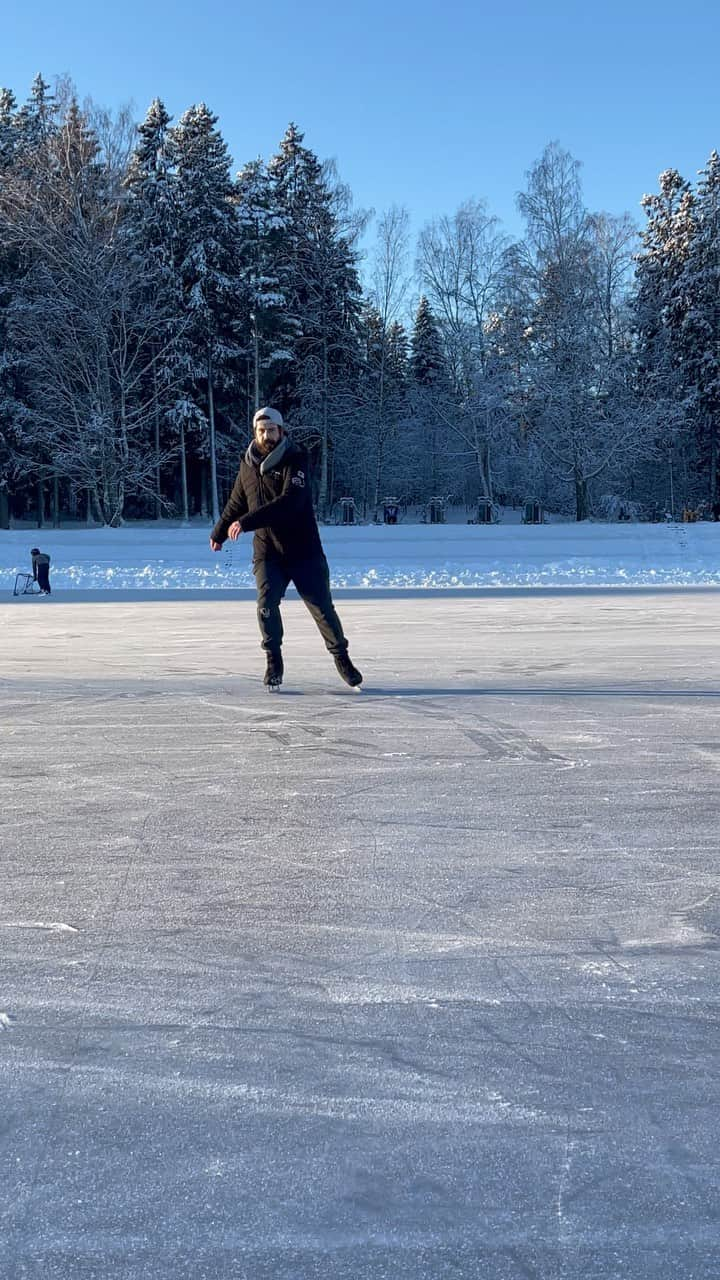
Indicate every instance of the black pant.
{"type": "Point", "coordinates": [43, 577]}
{"type": "Point", "coordinates": [312, 583]}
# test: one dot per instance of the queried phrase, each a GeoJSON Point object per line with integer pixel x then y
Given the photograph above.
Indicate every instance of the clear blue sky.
{"type": "Point", "coordinates": [421, 102]}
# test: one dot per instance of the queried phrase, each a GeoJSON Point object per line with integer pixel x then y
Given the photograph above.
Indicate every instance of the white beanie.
{"type": "Point", "coordinates": [272, 415]}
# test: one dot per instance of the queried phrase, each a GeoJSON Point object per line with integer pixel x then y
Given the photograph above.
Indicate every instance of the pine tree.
{"type": "Point", "coordinates": [8, 129]}
{"type": "Point", "coordinates": [427, 360]}
{"type": "Point", "coordinates": [658, 310]}
{"type": "Point", "coordinates": [21, 130]}
{"type": "Point", "coordinates": [430, 395]}
{"type": "Point", "coordinates": [36, 119]}
{"type": "Point", "coordinates": [207, 263]}
{"type": "Point", "coordinates": [659, 266]}
{"type": "Point", "coordinates": [151, 219]}
{"type": "Point", "coordinates": [151, 201]}
{"type": "Point", "coordinates": [261, 228]}
{"type": "Point", "coordinates": [696, 313]}
{"type": "Point", "coordinates": [374, 422]}
{"type": "Point", "coordinates": [400, 462]}
{"type": "Point", "coordinates": [318, 262]}
{"type": "Point", "coordinates": [397, 344]}
{"type": "Point", "coordinates": [9, 268]}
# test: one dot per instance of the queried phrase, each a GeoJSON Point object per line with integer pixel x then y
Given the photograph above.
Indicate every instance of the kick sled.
{"type": "Point", "coordinates": [25, 585]}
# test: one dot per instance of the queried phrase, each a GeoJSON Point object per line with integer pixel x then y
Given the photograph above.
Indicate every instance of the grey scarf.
{"type": "Point", "coordinates": [254, 458]}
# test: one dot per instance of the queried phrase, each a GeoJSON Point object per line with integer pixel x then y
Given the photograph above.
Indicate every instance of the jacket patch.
{"type": "Point", "coordinates": [299, 479]}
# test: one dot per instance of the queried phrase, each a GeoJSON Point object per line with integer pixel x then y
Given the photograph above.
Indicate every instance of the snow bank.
{"type": "Point", "coordinates": [171, 557]}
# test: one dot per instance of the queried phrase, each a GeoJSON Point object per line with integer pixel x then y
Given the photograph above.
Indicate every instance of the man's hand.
{"type": "Point", "coordinates": [215, 546]}
{"type": "Point", "coordinates": [234, 531]}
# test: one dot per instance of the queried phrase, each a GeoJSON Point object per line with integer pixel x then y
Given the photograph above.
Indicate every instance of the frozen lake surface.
{"type": "Point", "coordinates": [416, 984]}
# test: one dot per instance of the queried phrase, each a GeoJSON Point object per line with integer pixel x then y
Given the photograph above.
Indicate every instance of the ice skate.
{"type": "Point", "coordinates": [349, 673]}
{"type": "Point", "coordinates": [273, 672]}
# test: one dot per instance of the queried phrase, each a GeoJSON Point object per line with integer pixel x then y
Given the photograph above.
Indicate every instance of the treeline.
{"type": "Point", "coordinates": [150, 300]}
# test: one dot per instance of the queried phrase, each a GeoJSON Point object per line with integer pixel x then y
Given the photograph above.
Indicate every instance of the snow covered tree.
{"type": "Point", "coordinates": [427, 361]}
{"type": "Point", "coordinates": [660, 263]}
{"type": "Point", "coordinates": [404, 454]}
{"type": "Point", "coordinates": [8, 128]}
{"type": "Point", "coordinates": [151, 203]}
{"type": "Point", "coordinates": [37, 117]}
{"type": "Point", "coordinates": [369, 454]}
{"type": "Point", "coordinates": [697, 316]}
{"type": "Point", "coordinates": [389, 286]}
{"type": "Point", "coordinates": [206, 258]}
{"type": "Point", "coordinates": [317, 258]}
{"type": "Point", "coordinates": [150, 227]}
{"type": "Point", "coordinates": [614, 242]}
{"type": "Point", "coordinates": [398, 358]}
{"type": "Point", "coordinates": [577, 406]}
{"type": "Point", "coordinates": [80, 324]}
{"type": "Point", "coordinates": [8, 273]}
{"type": "Point", "coordinates": [459, 263]}
{"type": "Point", "coordinates": [431, 399]}
{"type": "Point", "coordinates": [658, 310]}
{"type": "Point", "coordinates": [263, 310]}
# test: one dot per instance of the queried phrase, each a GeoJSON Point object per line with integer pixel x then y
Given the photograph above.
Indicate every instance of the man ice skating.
{"type": "Point", "coordinates": [41, 570]}
{"type": "Point", "coordinates": [271, 496]}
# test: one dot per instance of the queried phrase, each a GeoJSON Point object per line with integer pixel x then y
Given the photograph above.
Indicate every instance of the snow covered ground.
{"type": "Point", "coordinates": [419, 984]}
{"type": "Point", "coordinates": [454, 556]}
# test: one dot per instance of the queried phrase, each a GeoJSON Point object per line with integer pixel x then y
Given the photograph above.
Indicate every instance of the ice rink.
{"type": "Point", "coordinates": [411, 985]}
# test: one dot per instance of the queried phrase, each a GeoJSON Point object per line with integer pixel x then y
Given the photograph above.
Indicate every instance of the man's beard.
{"type": "Point", "coordinates": [267, 446]}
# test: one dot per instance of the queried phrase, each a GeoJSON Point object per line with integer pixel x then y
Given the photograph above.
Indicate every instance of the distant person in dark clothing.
{"type": "Point", "coordinates": [271, 497]}
{"type": "Point", "coordinates": [41, 570]}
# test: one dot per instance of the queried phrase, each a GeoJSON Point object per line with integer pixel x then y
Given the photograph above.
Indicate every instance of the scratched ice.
{"type": "Point", "coordinates": [412, 985]}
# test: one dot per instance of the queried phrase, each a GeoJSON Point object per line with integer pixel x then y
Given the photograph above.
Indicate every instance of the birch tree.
{"type": "Point", "coordinates": [460, 261]}
{"type": "Point", "coordinates": [389, 289]}
{"type": "Point", "coordinates": [578, 401]}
